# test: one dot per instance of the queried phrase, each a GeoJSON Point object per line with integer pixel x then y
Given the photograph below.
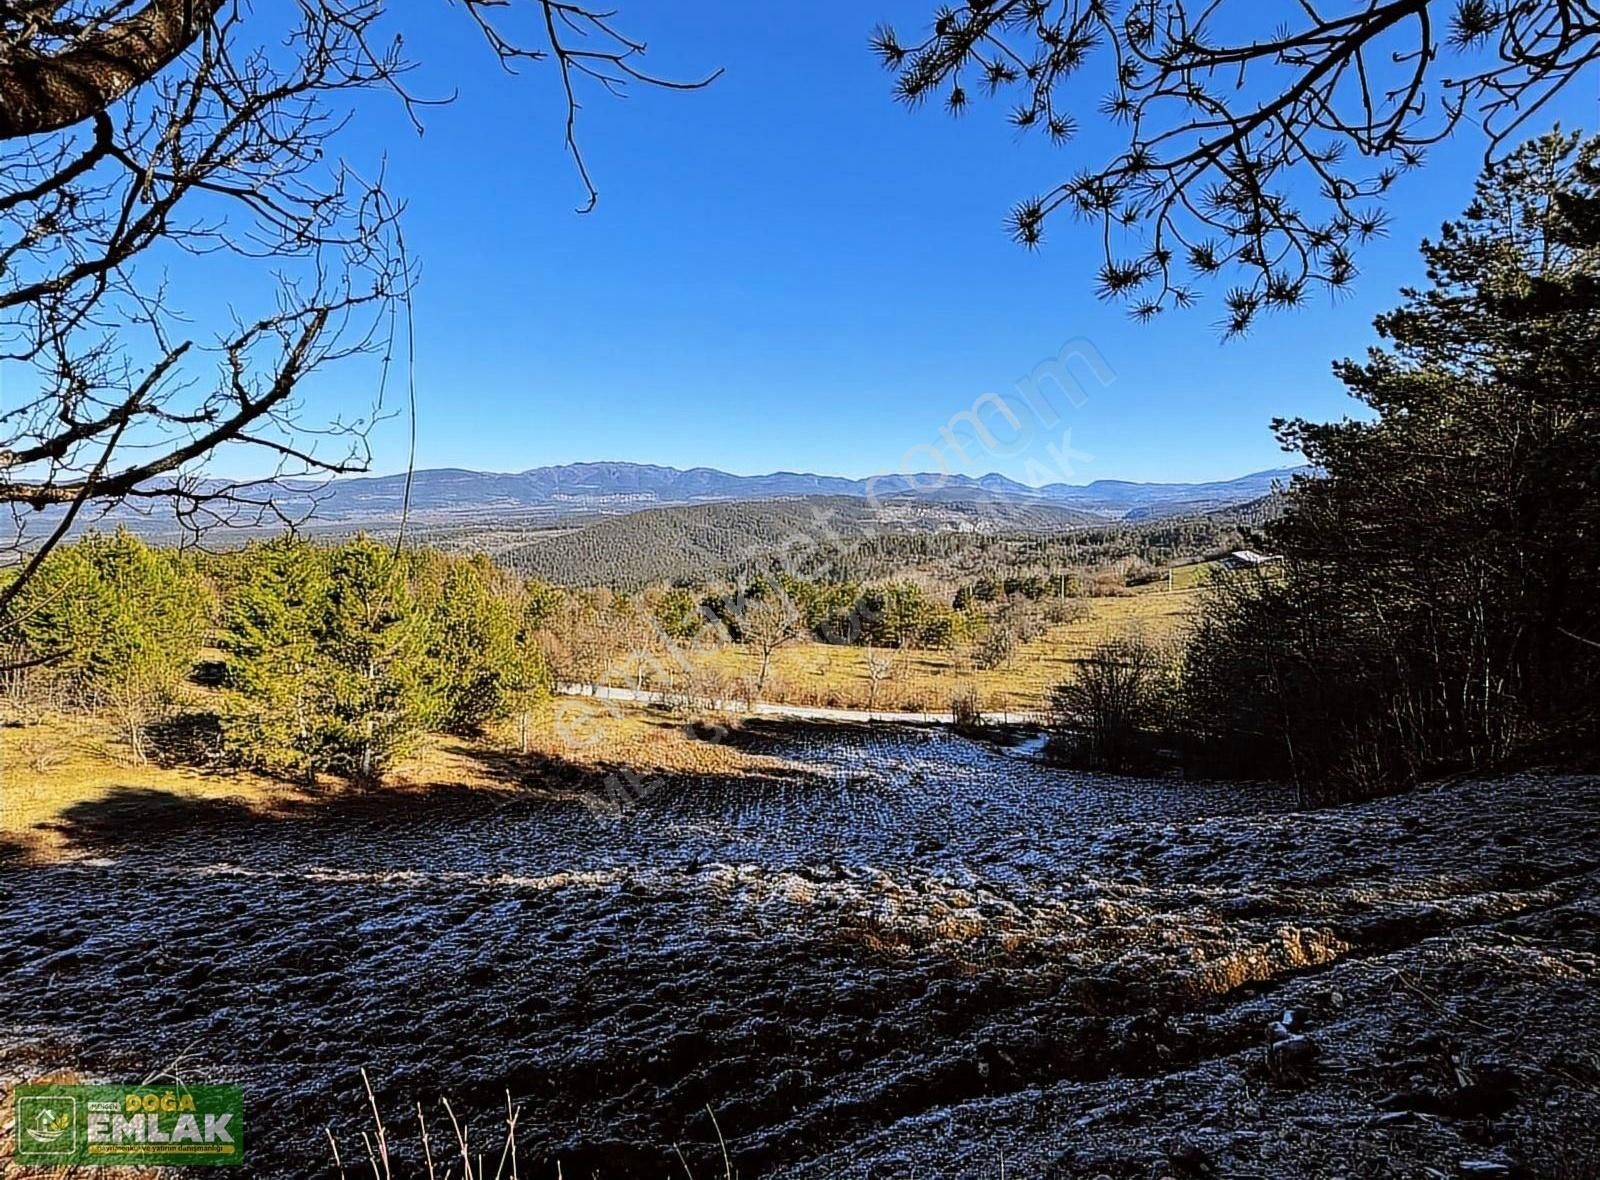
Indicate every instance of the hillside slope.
{"type": "Point", "coordinates": [697, 541]}
{"type": "Point", "coordinates": [844, 942]}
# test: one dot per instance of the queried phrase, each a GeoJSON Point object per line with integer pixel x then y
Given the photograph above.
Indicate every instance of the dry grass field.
{"type": "Point", "coordinates": [1191, 577]}
{"type": "Point", "coordinates": [53, 762]}
{"type": "Point", "coordinates": [822, 675]}
{"type": "Point", "coordinates": [56, 762]}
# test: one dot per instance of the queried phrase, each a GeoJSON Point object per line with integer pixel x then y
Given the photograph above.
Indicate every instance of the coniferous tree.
{"type": "Point", "coordinates": [679, 614]}
{"type": "Point", "coordinates": [1440, 604]}
{"type": "Point", "coordinates": [530, 680]}
{"type": "Point", "coordinates": [473, 650]}
{"type": "Point", "coordinates": [276, 673]}
{"type": "Point", "coordinates": [339, 658]}
{"type": "Point", "coordinates": [375, 642]}
{"type": "Point", "coordinates": [122, 621]}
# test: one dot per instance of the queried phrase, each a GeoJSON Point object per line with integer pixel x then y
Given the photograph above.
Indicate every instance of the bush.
{"type": "Point", "coordinates": [1139, 572]}
{"type": "Point", "coordinates": [965, 712]}
{"type": "Point", "coordinates": [1109, 714]}
{"type": "Point", "coordinates": [996, 649]}
{"type": "Point", "coordinates": [1108, 585]}
{"type": "Point", "coordinates": [1066, 610]}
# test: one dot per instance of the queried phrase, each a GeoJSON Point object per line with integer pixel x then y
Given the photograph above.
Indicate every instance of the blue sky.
{"type": "Point", "coordinates": [788, 270]}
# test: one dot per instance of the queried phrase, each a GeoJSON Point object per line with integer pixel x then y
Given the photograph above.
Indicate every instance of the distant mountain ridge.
{"type": "Point", "coordinates": [609, 487]}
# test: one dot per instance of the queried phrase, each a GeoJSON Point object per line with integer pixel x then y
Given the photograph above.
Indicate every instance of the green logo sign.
{"type": "Point", "coordinates": [189, 1125]}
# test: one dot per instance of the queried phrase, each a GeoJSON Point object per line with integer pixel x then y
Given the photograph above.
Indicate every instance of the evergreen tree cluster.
{"type": "Point", "coordinates": [335, 658]}
{"type": "Point", "coordinates": [1438, 606]}
{"type": "Point", "coordinates": [960, 557]}
{"type": "Point", "coordinates": [832, 538]}
{"type": "Point", "coordinates": [338, 658]}
{"type": "Point", "coordinates": [116, 623]}
{"type": "Point", "coordinates": [893, 614]}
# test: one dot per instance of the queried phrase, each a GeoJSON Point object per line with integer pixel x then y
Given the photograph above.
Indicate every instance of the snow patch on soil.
{"type": "Point", "coordinates": [886, 953]}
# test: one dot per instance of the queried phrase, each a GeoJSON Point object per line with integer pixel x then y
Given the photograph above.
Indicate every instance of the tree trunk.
{"type": "Point", "coordinates": [42, 92]}
{"type": "Point", "coordinates": [134, 722]}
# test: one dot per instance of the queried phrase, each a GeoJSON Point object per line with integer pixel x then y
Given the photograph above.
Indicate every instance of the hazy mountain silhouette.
{"type": "Point", "coordinates": [622, 487]}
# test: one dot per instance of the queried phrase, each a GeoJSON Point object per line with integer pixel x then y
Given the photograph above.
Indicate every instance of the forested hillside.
{"type": "Point", "coordinates": [702, 541]}
{"type": "Point", "coordinates": [953, 559]}
{"type": "Point", "coordinates": [1253, 512]}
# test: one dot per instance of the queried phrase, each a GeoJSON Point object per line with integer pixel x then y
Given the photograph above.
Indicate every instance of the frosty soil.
{"type": "Point", "coordinates": [875, 951]}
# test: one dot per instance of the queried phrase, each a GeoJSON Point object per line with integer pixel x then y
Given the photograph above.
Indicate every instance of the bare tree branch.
{"type": "Point", "coordinates": [54, 73]}
{"type": "Point", "coordinates": [143, 142]}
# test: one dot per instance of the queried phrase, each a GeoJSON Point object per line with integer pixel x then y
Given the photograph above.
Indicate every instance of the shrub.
{"type": "Point", "coordinates": [1066, 610]}
{"type": "Point", "coordinates": [1108, 585]}
{"type": "Point", "coordinates": [965, 711]}
{"type": "Point", "coordinates": [1108, 714]}
{"type": "Point", "coordinates": [997, 648]}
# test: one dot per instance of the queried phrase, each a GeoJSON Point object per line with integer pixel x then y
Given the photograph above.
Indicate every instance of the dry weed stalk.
{"type": "Point", "coordinates": [376, 1142]}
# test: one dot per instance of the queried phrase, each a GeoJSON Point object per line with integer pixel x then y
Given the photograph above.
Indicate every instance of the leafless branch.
{"type": "Point", "coordinates": [157, 151]}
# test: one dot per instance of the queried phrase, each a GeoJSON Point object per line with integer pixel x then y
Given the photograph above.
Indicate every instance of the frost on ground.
{"type": "Point", "coordinates": [871, 952]}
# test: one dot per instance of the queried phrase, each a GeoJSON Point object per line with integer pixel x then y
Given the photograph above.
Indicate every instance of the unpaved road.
{"type": "Point", "coordinates": [642, 696]}
{"type": "Point", "coordinates": [879, 953]}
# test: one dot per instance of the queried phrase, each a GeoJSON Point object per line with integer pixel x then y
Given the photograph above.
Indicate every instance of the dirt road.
{"type": "Point", "coordinates": [636, 696]}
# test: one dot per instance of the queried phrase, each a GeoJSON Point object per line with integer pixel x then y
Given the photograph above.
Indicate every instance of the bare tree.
{"type": "Point", "coordinates": [879, 668]}
{"type": "Point", "coordinates": [1261, 138]}
{"type": "Point", "coordinates": [1117, 694]}
{"type": "Point", "coordinates": [153, 154]}
{"type": "Point", "coordinates": [768, 623]}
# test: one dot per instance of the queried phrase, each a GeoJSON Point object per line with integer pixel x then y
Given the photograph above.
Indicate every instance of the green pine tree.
{"type": "Point", "coordinates": [473, 649]}
{"type": "Point", "coordinates": [1437, 607]}
{"type": "Point", "coordinates": [276, 673]}
{"type": "Point", "coordinates": [124, 623]}
{"type": "Point", "coordinates": [375, 643]}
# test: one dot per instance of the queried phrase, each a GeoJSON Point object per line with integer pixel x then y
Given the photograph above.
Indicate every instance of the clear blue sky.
{"type": "Point", "coordinates": [791, 271]}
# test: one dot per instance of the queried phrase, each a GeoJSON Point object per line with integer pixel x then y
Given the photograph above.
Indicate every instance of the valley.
{"type": "Point", "coordinates": [835, 676]}
{"type": "Point", "coordinates": [1130, 712]}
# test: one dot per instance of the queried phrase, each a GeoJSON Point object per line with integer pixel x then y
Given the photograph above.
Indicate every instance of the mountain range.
{"type": "Point", "coordinates": [608, 488]}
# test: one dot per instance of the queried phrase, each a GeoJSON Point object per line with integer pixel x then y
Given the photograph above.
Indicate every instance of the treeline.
{"type": "Point", "coordinates": [1091, 559]}
{"type": "Point", "coordinates": [307, 658]}
{"type": "Point", "coordinates": [333, 658]}
{"type": "Point", "coordinates": [896, 614]}
{"type": "Point", "coordinates": [652, 639]}
{"type": "Point", "coordinates": [108, 624]}
{"type": "Point", "coordinates": [1437, 608]}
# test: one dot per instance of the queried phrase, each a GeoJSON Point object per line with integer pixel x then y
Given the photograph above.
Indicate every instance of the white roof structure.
{"type": "Point", "coordinates": [1251, 557]}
